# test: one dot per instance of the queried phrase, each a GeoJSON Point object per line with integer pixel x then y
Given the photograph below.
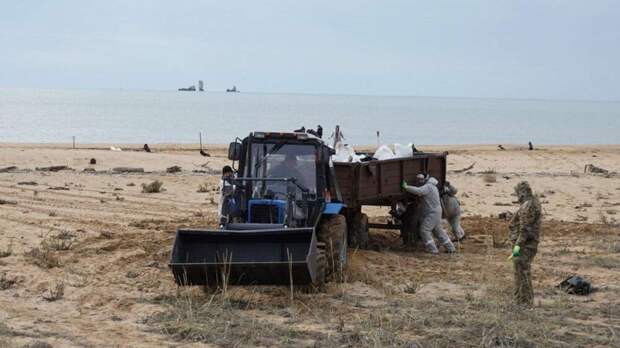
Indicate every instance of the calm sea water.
{"type": "Point", "coordinates": [119, 116]}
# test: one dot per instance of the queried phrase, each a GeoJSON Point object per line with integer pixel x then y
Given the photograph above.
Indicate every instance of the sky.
{"type": "Point", "coordinates": [541, 49]}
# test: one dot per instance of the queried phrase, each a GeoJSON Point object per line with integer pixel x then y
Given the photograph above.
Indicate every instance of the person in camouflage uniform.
{"type": "Point", "coordinates": [524, 234]}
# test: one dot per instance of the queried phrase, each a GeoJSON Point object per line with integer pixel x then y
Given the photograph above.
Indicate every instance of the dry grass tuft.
{"type": "Point", "coordinates": [6, 282]}
{"type": "Point", "coordinates": [153, 187]}
{"type": "Point", "coordinates": [38, 344]}
{"type": "Point", "coordinates": [614, 247]}
{"type": "Point", "coordinates": [8, 251]}
{"type": "Point", "coordinates": [45, 256]}
{"type": "Point", "coordinates": [210, 318]}
{"type": "Point", "coordinates": [203, 188]}
{"type": "Point", "coordinates": [489, 178]}
{"type": "Point", "coordinates": [608, 262]}
{"type": "Point", "coordinates": [55, 292]}
{"type": "Point", "coordinates": [61, 242]}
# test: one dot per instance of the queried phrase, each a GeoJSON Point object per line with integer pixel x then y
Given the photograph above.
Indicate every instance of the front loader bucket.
{"type": "Point", "coordinates": [235, 257]}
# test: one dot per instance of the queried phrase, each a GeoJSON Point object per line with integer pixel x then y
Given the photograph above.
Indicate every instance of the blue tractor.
{"type": "Point", "coordinates": [283, 221]}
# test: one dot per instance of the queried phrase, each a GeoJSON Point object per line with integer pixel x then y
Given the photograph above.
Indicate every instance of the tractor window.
{"type": "Point", "coordinates": [283, 161]}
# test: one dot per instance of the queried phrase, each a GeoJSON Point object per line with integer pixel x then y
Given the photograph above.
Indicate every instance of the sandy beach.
{"type": "Point", "coordinates": [115, 241]}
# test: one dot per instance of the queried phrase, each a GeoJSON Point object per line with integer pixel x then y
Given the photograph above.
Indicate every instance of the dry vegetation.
{"type": "Point", "coordinates": [7, 251]}
{"type": "Point", "coordinates": [43, 257]}
{"type": "Point", "coordinates": [153, 187]}
{"type": "Point", "coordinates": [203, 188]}
{"type": "Point", "coordinates": [467, 304]}
{"type": "Point", "coordinates": [55, 292]}
{"type": "Point", "coordinates": [103, 267]}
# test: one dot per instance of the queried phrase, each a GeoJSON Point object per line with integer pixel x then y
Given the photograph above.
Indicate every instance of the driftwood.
{"type": "Point", "coordinates": [591, 168]}
{"type": "Point", "coordinates": [29, 183]}
{"type": "Point", "coordinates": [52, 168]}
{"type": "Point", "coordinates": [4, 201]}
{"type": "Point", "coordinates": [8, 169]}
{"type": "Point", "coordinates": [128, 170]}
{"type": "Point", "coordinates": [58, 188]}
{"type": "Point", "coordinates": [464, 169]}
{"type": "Point", "coordinates": [173, 169]}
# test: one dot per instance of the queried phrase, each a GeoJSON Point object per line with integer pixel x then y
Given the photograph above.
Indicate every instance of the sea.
{"type": "Point", "coordinates": [134, 116]}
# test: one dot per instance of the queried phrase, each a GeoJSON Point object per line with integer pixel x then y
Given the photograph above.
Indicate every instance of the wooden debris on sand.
{"type": "Point", "coordinates": [52, 168]}
{"type": "Point", "coordinates": [128, 170]}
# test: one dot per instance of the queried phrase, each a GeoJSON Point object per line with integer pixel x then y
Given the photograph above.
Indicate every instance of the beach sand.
{"type": "Point", "coordinates": [118, 290]}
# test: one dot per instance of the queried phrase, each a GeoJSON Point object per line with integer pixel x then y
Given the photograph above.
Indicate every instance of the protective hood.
{"type": "Point", "coordinates": [433, 181]}
{"type": "Point", "coordinates": [523, 191]}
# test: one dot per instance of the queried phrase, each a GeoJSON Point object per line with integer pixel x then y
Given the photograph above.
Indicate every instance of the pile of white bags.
{"type": "Point", "coordinates": [384, 152]}
{"type": "Point", "coordinates": [346, 153]}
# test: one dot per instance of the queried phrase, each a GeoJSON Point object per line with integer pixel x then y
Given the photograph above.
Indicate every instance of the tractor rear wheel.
{"type": "Point", "coordinates": [333, 232]}
{"type": "Point", "coordinates": [359, 230]}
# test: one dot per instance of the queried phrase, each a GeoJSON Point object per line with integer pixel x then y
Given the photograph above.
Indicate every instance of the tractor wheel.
{"type": "Point", "coordinates": [333, 232]}
{"type": "Point", "coordinates": [409, 225]}
{"type": "Point", "coordinates": [318, 285]}
{"type": "Point", "coordinates": [321, 268]}
{"type": "Point", "coordinates": [359, 231]}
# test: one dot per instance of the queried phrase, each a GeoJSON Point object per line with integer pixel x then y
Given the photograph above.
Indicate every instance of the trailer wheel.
{"type": "Point", "coordinates": [359, 230]}
{"type": "Point", "coordinates": [333, 232]}
{"type": "Point", "coordinates": [409, 225]}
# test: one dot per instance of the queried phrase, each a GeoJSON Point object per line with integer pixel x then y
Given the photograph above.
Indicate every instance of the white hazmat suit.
{"type": "Point", "coordinates": [452, 210]}
{"type": "Point", "coordinates": [430, 212]}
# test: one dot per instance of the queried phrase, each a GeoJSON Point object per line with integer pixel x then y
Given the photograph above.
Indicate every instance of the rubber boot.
{"type": "Point", "coordinates": [449, 247]}
{"type": "Point", "coordinates": [431, 248]}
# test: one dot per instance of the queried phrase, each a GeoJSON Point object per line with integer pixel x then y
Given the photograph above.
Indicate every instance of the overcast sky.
{"type": "Point", "coordinates": [513, 49]}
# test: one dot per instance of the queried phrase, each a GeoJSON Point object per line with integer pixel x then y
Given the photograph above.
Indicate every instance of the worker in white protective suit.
{"type": "Point", "coordinates": [452, 210]}
{"type": "Point", "coordinates": [430, 214]}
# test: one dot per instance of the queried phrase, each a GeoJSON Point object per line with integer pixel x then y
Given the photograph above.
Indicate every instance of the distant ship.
{"type": "Point", "coordinates": [233, 89]}
{"type": "Point", "coordinates": [191, 88]}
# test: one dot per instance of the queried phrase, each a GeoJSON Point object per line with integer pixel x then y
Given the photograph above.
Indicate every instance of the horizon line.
{"type": "Point", "coordinates": [325, 94]}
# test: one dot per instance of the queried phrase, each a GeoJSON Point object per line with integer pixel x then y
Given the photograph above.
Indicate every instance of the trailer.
{"type": "Point", "coordinates": [378, 183]}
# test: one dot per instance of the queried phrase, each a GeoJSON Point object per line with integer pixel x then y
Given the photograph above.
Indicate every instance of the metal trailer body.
{"type": "Point", "coordinates": [378, 183]}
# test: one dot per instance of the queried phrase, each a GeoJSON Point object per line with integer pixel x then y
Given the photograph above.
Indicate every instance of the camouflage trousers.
{"type": "Point", "coordinates": [523, 291]}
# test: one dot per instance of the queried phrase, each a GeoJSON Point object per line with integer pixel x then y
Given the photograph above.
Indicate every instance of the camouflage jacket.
{"type": "Point", "coordinates": [525, 224]}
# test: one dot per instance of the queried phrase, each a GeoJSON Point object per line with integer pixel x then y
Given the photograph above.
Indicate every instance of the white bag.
{"type": "Point", "coordinates": [401, 151]}
{"type": "Point", "coordinates": [384, 153]}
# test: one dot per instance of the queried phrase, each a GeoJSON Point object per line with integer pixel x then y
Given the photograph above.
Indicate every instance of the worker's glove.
{"type": "Point", "coordinates": [403, 185]}
{"type": "Point", "coordinates": [516, 251]}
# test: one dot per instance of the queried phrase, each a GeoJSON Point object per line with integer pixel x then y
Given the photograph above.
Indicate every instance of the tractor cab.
{"type": "Point", "coordinates": [282, 179]}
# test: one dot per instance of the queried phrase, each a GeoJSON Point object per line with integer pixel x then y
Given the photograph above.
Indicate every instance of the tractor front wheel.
{"type": "Point", "coordinates": [333, 232]}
